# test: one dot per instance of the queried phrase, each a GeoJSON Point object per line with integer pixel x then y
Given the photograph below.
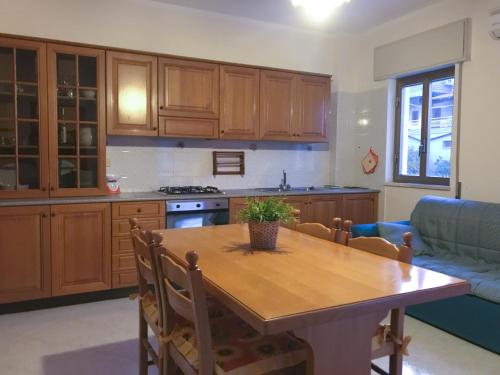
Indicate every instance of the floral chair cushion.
{"type": "Point", "coordinates": [238, 348]}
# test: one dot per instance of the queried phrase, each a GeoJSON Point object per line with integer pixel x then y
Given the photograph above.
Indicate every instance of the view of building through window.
{"type": "Point", "coordinates": [425, 128]}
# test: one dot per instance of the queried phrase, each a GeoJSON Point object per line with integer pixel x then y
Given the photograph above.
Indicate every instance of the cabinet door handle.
{"type": "Point", "coordinates": [155, 128]}
{"type": "Point", "coordinates": [222, 131]}
{"type": "Point", "coordinates": [161, 107]}
{"type": "Point", "coordinates": [52, 188]}
{"type": "Point", "coordinates": [139, 210]}
{"type": "Point", "coordinates": [44, 215]}
{"type": "Point", "coordinates": [43, 188]}
{"type": "Point", "coordinates": [53, 214]}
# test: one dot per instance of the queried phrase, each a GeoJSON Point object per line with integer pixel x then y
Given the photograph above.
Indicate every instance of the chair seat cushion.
{"type": "Point", "coordinates": [238, 348]}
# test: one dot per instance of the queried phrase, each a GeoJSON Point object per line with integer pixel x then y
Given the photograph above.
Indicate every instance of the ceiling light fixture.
{"type": "Point", "coordinates": [319, 10]}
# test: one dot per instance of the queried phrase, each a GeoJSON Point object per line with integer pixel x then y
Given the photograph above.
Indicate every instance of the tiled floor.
{"type": "Point", "coordinates": [100, 338]}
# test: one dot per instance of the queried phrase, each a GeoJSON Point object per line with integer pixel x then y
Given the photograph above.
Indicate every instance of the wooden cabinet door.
{"type": "Point", "coordinates": [313, 108]}
{"type": "Point", "coordinates": [81, 248]}
{"type": "Point", "coordinates": [188, 88]}
{"type": "Point", "coordinates": [299, 202]}
{"type": "Point", "coordinates": [24, 253]}
{"type": "Point", "coordinates": [323, 208]}
{"type": "Point", "coordinates": [131, 84]}
{"type": "Point", "coordinates": [235, 206]}
{"type": "Point", "coordinates": [277, 98]}
{"type": "Point", "coordinates": [360, 208]}
{"type": "Point", "coordinates": [239, 99]}
{"type": "Point", "coordinates": [23, 119]}
{"type": "Point", "coordinates": [77, 120]}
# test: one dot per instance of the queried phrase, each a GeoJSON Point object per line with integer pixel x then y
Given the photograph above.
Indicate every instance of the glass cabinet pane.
{"type": "Point", "coordinates": [66, 69]}
{"type": "Point", "coordinates": [7, 137]}
{"type": "Point", "coordinates": [66, 108]}
{"type": "Point", "coordinates": [6, 64]}
{"type": "Point", "coordinates": [87, 71]}
{"type": "Point", "coordinates": [27, 101]}
{"type": "Point", "coordinates": [88, 172]}
{"type": "Point", "coordinates": [6, 100]}
{"type": "Point", "coordinates": [7, 173]}
{"type": "Point", "coordinates": [66, 135]}
{"type": "Point", "coordinates": [28, 173]}
{"type": "Point", "coordinates": [88, 140]}
{"type": "Point", "coordinates": [88, 105]}
{"type": "Point", "coordinates": [26, 70]}
{"type": "Point", "coordinates": [28, 138]}
{"type": "Point", "coordinates": [67, 173]}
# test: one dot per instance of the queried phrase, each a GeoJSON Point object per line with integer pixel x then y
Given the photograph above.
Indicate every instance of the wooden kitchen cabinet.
{"type": "Point", "coordinates": [239, 102]}
{"type": "Point", "coordinates": [313, 107]}
{"type": "Point", "coordinates": [360, 208]}
{"type": "Point", "coordinates": [23, 119]}
{"type": "Point", "coordinates": [24, 253]}
{"type": "Point", "coordinates": [294, 107]}
{"type": "Point", "coordinates": [188, 88]}
{"type": "Point", "coordinates": [150, 216]}
{"type": "Point", "coordinates": [77, 120]}
{"type": "Point", "coordinates": [277, 97]}
{"type": "Point", "coordinates": [131, 84]}
{"type": "Point", "coordinates": [323, 208]}
{"type": "Point", "coordinates": [81, 248]}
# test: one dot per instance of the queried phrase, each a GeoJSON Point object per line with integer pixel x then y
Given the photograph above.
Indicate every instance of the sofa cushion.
{"type": "Point", "coordinates": [393, 232]}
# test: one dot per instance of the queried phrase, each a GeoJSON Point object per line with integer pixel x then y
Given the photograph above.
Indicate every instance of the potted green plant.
{"type": "Point", "coordinates": [264, 217]}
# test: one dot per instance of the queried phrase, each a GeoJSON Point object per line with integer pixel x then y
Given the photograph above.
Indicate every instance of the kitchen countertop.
{"type": "Point", "coordinates": [155, 196]}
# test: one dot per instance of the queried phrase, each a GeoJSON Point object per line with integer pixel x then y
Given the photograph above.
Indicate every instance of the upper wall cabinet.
{"type": "Point", "coordinates": [132, 94]}
{"type": "Point", "coordinates": [294, 107]}
{"type": "Point", "coordinates": [313, 107]}
{"type": "Point", "coordinates": [239, 102]}
{"type": "Point", "coordinates": [277, 96]}
{"type": "Point", "coordinates": [77, 120]}
{"type": "Point", "coordinates": [23, 119]}
{"type": "Point", "coordinates": [188, 89]}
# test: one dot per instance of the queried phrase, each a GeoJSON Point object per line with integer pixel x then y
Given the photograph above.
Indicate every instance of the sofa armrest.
{"type": "Point", "coordinates": [370, 230]}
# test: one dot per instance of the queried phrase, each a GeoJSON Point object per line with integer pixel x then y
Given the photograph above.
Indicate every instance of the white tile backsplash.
{"type": "Point", "coordinates": [148, 163]}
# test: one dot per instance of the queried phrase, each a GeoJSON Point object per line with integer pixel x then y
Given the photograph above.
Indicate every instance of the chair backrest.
{"type": "Point", "coordinates": [186, 296]}
{"type": "Point", "coordinates": [146, 261]}
{"type": "Point", "coordinates": [382, 247]}
{"type": "Point", "coordinates": [315, 229]}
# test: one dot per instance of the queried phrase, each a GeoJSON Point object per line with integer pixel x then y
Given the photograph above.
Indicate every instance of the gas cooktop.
{"type": "Point", "coordinates": [189, 190]}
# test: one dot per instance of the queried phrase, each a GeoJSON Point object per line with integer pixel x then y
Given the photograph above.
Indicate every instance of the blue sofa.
{"type": "Point", "coordinates": [459, 238]}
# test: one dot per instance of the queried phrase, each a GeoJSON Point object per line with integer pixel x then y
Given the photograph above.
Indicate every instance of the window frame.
{"type": "Point", "coordinates": [425, 79]}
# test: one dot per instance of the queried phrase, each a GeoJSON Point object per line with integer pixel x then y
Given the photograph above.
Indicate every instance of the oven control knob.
{"type": "Point", "coordinates": [217, 205]}
{"type": "Point", "coordinates": [198, 205]}
{"type": "Point", "coordinates": [177, 206]}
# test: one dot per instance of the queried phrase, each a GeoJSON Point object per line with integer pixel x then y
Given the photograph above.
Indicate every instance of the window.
{"type": "Point", "coordinates": [424, 124]}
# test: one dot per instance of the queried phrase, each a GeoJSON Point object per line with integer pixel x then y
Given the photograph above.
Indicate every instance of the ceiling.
{"type": "Point", "coordinates": [355, 17]}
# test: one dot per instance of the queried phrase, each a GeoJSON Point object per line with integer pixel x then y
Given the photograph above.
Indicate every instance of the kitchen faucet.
{"type": "Point", "coordinates": [284, 186]}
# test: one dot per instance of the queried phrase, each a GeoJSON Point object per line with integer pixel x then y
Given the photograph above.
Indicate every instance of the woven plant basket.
{"type": "Point", "coordinates": [263, 235]}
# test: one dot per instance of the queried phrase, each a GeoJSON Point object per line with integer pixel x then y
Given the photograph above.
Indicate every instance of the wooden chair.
{"type": "Point", "coordinates": [207, 340]}
{"type": "Point", "coordinates": [389, 339]}
{"type": "Point", "coordinates": [316, 229]}
{"type": "Point", "coordinates": [151, 300]}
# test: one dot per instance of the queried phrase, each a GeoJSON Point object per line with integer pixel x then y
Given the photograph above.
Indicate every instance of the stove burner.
{"type": "Point", "coordinates": [189, 190]}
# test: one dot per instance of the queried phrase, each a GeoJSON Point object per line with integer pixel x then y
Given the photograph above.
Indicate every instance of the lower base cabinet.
{"type": "Point", "coordinates": [81, 248]}
{"type": "Point", "coordinates": [24, 253]}
{"type": "Point", "coordinates": [361, 208]}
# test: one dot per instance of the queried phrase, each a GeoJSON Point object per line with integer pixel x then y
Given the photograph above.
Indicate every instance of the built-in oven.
{"type": "Point", "coordinates": [197, 212]}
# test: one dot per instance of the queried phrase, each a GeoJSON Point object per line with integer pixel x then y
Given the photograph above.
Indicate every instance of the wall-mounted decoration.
{"type": "Point", "coordinates": [370, 162]}
{"type": "Point", "coordinates": [228, 163]}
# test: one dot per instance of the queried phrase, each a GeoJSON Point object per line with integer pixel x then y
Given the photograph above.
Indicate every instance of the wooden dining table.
{"type": "Point", "coordinates": [330, 295]}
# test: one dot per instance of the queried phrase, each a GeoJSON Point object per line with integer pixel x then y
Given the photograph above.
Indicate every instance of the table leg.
{"type": "Point", "coordinates": [342, 346]}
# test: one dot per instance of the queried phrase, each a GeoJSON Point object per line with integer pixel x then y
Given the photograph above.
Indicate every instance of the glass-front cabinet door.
{"type": "Point", "coordinates": [23, 119]}
{"type": "Point", "coordinates": [76, 120]}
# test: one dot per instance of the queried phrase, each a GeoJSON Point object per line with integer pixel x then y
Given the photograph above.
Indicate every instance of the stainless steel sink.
{"type": "Point", "coordinates": [279, 190]}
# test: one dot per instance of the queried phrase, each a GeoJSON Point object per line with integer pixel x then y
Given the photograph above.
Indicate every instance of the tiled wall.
{"type": "Point", "coordinates": [147, 163]}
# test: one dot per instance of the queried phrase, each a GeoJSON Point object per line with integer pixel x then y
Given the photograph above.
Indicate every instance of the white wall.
{"type": "Point", "coordinates": [152, 26]}
{"type": "Point", "coordinates": [479, 134]}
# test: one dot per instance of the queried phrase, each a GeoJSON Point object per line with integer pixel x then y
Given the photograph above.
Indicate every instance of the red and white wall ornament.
{"type": "Point", "coordinates": [370, 162]}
